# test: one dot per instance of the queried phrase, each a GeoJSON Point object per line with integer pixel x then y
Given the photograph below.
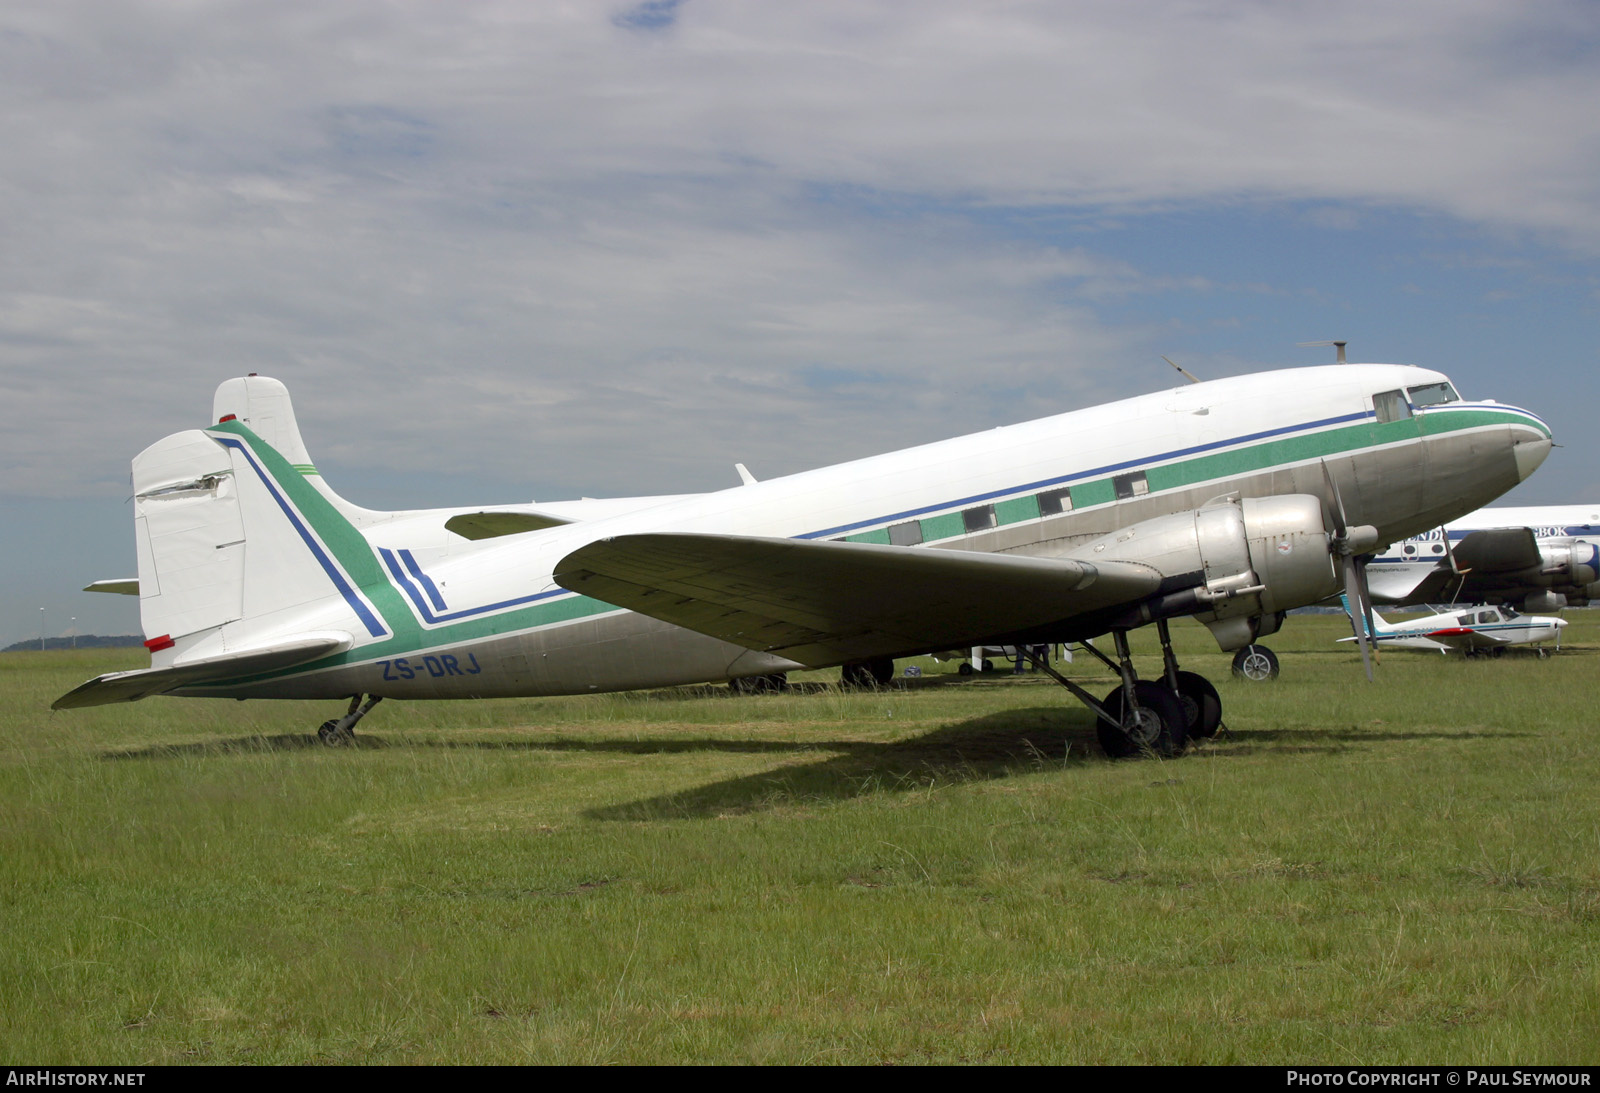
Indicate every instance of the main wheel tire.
{"type": "Point", "coordinates": [1202, 706]}
{"type": "Point", "coordinates": [877, 672]}
{"type": "Point", "coordinates": [1255, 663]}
{"type": "Point", "coordinates": [759, 685]}
{"type": "Point", "coordinates": [1154, 724]}
{"type": "Point", "coordinates": [330, 734]}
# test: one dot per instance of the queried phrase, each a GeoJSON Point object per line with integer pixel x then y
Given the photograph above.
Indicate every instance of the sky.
{"type": "Point", "coordinates": [505, 251]}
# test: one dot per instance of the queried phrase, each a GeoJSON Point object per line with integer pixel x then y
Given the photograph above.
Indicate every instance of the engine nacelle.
{"type": "Point", "coordinates": [1235, 565]}
{"type": "Point", "coordinates": [1572, 564]}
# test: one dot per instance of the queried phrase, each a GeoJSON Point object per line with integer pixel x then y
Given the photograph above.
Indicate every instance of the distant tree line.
{"type": "Point", "coordinates": [83, 641]}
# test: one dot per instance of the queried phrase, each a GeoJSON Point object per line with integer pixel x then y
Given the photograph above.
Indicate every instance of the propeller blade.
{"type": "Point", "coordinates": [1336, 502]}
{"type": "Point", "coordinates": [1360, 616]}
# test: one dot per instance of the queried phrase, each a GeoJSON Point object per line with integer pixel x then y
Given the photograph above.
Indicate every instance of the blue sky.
{"type": "Point", "coordinates": [503, 251]}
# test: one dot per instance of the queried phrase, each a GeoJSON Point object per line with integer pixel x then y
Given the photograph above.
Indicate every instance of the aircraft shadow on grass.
{"type": "Point", "coordinates": [998, 745]}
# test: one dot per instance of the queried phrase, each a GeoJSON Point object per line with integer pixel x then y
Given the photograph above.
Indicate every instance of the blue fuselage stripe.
{"type": "Point", "coordinates": [359, 606]}
{"type": "Point", "coordinates": [407, 585]}
{"type": "Point", "coordinates": [1093, 472]}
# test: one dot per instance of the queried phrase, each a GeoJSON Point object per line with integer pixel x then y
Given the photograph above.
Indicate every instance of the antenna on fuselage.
{"type": "Point", "coordinates": [1338, 345]}
{"type": "Point", "coordinates": [1190, 376]}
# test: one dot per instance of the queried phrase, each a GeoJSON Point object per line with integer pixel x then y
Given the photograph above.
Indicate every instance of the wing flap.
{"type": "Point", "coordinates": [144, 682]}
{"type": "Point", "coordinates": [826, 602]}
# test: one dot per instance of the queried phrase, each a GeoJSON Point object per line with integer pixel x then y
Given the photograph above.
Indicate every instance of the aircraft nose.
{"type": "Point", "coordinates": [1532, 442]}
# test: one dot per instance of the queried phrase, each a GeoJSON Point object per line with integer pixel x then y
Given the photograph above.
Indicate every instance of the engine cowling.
{"type": "Point", "coordinates": [1571, 564]}
{"type": "Point", "coordinates": [1235, 565]}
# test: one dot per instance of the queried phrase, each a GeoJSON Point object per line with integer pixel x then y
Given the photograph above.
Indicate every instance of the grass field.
{"type": "Point", "coordinates": [1403, 872]}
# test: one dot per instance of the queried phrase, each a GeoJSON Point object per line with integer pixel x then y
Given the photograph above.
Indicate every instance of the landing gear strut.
{"type": "Point", "coordinates": [1144, 715]}
{"type": "Point", "coordinates": [340, 731]}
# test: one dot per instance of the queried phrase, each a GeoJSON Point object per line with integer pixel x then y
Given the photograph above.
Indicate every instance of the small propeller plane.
{"type": "Point", "coordinates": [1479, 630]}
{"type": "Point", "coordinates": [1539, 558]}
{"type": "Point", "coordinates": [1231, 500]}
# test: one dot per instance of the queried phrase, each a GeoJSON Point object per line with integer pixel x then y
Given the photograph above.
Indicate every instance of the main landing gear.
{"type": "Point", "coordinates": [341, 731]}
{"type": "Point", "coordinates": [1147, 715]}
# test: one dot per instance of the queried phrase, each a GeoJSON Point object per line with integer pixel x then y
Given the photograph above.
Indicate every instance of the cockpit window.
{"type": "Point", "coordinates": [1431, 394]}
{"type": "Point", "coordinates": [1391, 405]}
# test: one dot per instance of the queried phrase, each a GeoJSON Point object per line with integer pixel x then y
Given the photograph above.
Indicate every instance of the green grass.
{"type": "Point", "coordinates": [1406, 872]}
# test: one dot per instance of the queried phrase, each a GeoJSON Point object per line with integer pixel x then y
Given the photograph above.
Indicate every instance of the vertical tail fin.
{"type": "Point", "coordinates": [239, 540]}
{"type": "Point", "coordinates": [1380, 625]}
{"type": "Point", "coordinates": [262, 404]}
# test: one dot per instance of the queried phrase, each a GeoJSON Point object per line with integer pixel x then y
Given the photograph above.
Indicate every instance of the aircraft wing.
{"type": "Point", "coordinates": [1465, 639]}
{"type": "Point", "coordinates": [822, 603]}
{"type": "Point", "coordinates": [1498, 550]}
{"type": "Point", "coordinates": [1479, 553]}
{"type": "Point", "coordinates": [144, 682]}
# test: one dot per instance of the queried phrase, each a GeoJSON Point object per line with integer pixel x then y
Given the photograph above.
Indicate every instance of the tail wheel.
{"type": "Point", "coordinates": [1155, 723]}
{"type": "Point", "coordinates": [1255, 663]}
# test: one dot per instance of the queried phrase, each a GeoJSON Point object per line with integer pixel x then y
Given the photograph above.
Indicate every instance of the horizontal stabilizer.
{"type": "Point", "coordinates": [122, 586]}
{"type": "Point", "coordinates": [491, 525]}
{"type": "Point", "coordinates": [132, 686]}
{"type": "Point", "coordinates": [827, 602]}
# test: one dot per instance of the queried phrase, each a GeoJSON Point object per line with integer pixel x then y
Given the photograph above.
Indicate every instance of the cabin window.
{"type": "Point", "coordinates": [978, 519]}
{"type": "Point", "coordinates": [1410, 550]}
{"type": "Point", "coordinates": [1130, 485]}
{"type": "Point", "coordinates": [1391, 406]}
{"type": "Point", "coordinates": [1465, 620]}
{"type": "Point", "coordinates": [1052, 502]}
{"type": "Point", "coordinates": [1488, 616]}
{"type": "Point", "coordinates": [906, 534]}
{"type": "Point", "coordinates": [1432, 394]}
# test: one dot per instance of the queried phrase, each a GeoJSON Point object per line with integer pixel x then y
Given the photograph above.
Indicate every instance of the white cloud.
{"type": "Point", "coordinates": [739, 230]}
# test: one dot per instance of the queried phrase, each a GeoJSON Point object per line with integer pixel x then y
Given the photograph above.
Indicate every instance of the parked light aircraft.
{"type": "Point", "coordinates": [1537, 558]}
{"type": "Point", "coordinates": [1231, 500]}
{"type": "Point", "coordinates": [1474, 630]}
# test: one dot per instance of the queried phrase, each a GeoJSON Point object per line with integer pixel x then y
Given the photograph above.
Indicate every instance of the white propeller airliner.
{"type": "Point", "coordinates": [1232, 500]}
{"type": "Point", "coordinates": [1539, 558]}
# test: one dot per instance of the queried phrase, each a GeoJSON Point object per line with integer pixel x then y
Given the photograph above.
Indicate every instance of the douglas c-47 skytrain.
{"type": "Point", "coordinates": [1232, 501]}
